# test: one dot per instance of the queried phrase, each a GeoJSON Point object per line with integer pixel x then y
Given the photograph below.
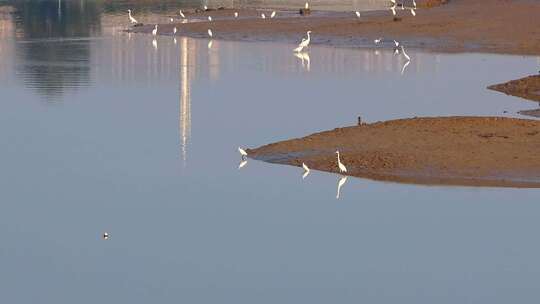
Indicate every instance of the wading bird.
{"type": "Point", "coordinates": [210, 33]}
{"type": "Point", "coordinates": [306, 170]}
{"type": "Point", "coordinates": [357, 14]}
{"type": "Point", "coordinates": [235, 14]}
{"type": "Point", "coordinates": [174, 30]}
{"type": "Point", "coordinates": [306, 6]}
{"type": "Point", "coordinates": [378, 40]}
{"type": "Point", "coordinates": [340, 184]}
{"type": "Point", "coordinates": [209, 18]}
{"type": "Point", "coordinates": [341, 166]}
{"type": "Point", "coordinates": [243, 152]}
{"type": "Point", "coordinates": [131, 19]}
{"type": "Point", "coordinates": [305, 42]}
{"type": "Point", "coordinates": [263, 16]}
{"type": "Point", "coordinates": [273, 14]}
{"type": "Point", "coordinates": [182, 14]}
{"type": "Point", "coordinates": [413, 12]}
{"type": "Point", "coordinates": [414, 3]}
{"type": "Point", "coordinates": [105, 236]}
{"type": "Point", "coordinates": [154, 31]}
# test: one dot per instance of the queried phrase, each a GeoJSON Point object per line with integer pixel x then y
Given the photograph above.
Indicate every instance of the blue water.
{"type": "Point", "coordinates": [102, 132]}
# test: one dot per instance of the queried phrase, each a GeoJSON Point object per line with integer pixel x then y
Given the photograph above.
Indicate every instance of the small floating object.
{"type": "Point", "coordinates": [105, 236]}
{"type": "Point", "coordinates": [131, 19]}
{"type": "Point", "coordinates": [154, 31]}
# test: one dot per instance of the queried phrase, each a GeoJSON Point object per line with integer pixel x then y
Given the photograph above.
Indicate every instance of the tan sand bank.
{"type": "Point", "coordinates": [528, 87]}
{"type": "Point", "coordinates": [473, 151]}
{"type": "Point", "coordinates": [500, 26]}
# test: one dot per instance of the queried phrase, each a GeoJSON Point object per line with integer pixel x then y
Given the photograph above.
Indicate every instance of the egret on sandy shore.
{"type": "Point", "coordinates": [182, 14]}
{"type": "Point", "coordinates": [393, 8]}
{"type": "Point", "coordinates": [210, 33]}
{"type": "Point", "coordinates": [131, 19]}
{"type": "Point", "coordinates": [243, 152]}
{"type": "Point", "coordinates": [154, 31]}
{"type": "Point", "coordinates": [235, 14]}
{"type": "Point", "coordinates": [306, 170]}
{"type": "Point", "coordinates": [306, 6]}
{"type": "Point", "coordinates": [340, 184]}
{"type": "Point", "coordinates": [378, 40]}
{"type": "Point", "coordinates": [341, 166]}
{"type": "Point", "coordinates": [273, 14]}
{"type": "Point", "coordinates": [357, 14]}
{"type": "Point", "coordinates": [413, 12]}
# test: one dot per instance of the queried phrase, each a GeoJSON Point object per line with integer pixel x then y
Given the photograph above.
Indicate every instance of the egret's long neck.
{"type": "Point", "coordinates": [338, 158]}
{"type": "Point", "coordinates": [308, 37]}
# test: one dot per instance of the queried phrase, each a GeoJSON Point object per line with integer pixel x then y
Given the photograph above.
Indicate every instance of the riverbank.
{"type": "Point", "coordinates": [472, 151]}
{"type": "Point", "coordinates": [494, 26]}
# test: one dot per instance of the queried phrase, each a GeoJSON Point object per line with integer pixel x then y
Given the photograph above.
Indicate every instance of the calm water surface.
{"type": "Point", "coordinates": [102, 131]}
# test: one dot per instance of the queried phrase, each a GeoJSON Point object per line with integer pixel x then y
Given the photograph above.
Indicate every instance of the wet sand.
{"type": "Point", "coordinates": [471, 151]}
{"type": "Point", "coordinates": [497, 26]}
{"type": "Point", "coordinates": [528, 87]}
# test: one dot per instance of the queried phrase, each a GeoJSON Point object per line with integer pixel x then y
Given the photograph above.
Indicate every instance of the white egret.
{"type": "Point", "coordinates": [210, 33]}
{"type": "Point", "coordinates": [357, 14]}
{"type": "Point", "coordinates": [306, 6]}
{"type": "Point", "coordinates": [171, 20]}
{"type": "Point", "coordinates": [154, 31]}
{"type": "Point", "coordinates": [405, 54]}
{"type": "Point", "coordinates": [243, 152]}
{"type": "Point", "coordinates": [300, 47]}
{"type": "Point", "coordinates": [413, 12]}
{"type": "Point", "coordinates": [393, 8]}
{"type": "Point", "coordinates": [205, 8]}
{"type": "Point", "coordinates": [131, 19]}
{"type": "Point", "coordinates": [243, 162]}
{"type": "Point", "coordinates": [393, 1]}
{"type": "Point", "coordinates": [273, 14]}
{"type": "Point", "coordinates": [340, 184]}
{"type": "Point", "coordinates": [341, 166]}
{"type": "Point", "coordinates": [106, 236]}
{"type": "Point", "coordinates": [235, 14]}
{"type": "Point", "coordinates": [378, 40]}
{"type": "Point", "coordinates": [306, 170]}
{"type": "Point", "coordinates": [263, 16]}
{"type": "Point", "coordinates": [182, 14]}
{"type": "Point", "coordinates": [305, 43]}
{"type": "Point", "coordinates": [396, 43]}
{"type": "Point", "coordinates": [209, 18]}
{"type": "Point", "coordinates": [414, 3]}
{"type": "Point", "coordinates": [174, 30]}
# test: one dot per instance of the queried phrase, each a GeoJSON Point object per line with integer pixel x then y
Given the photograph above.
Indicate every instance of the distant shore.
{"type": "Point", "coordinates": [492, 26]}
{"type": "Point", "coordinates": [471, 151]}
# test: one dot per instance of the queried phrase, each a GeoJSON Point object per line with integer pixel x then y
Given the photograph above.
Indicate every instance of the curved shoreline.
{"type": "Point", "coordinates": [459, 26]}
{"type": "Point", "coordinates": [468, 151]}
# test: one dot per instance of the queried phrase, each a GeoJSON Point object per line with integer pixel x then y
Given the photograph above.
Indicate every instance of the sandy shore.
{"type": "Point", "coordinates": [498, 26]}
{"type": "Point", "coordinates": [475, 151]}
{"type": "Point", "coordinates": [528, 87]}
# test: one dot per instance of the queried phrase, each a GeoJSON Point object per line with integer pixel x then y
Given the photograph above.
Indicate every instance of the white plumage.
{"type": "Point", "coordinates": [243, 152]}
{"type": "Point", "coordinates": [357, 14]}
{"type": "Point", "coordinates": [235, 14]}
{"type": "Point", "coordinates": [341, 166]}
{"type": "Point", "coordinates": [131, 19]}
{"type": "Point", "coordinates": [182, 14]}
{"type": "Point", "coordinates": [273, 14]}
{"type": "Point", "coordinates": [210, 33]}
{"type": "Point", "coordinates": [154, 31]}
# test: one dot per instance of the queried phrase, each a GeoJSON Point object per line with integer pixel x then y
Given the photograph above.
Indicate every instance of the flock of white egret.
{"type": "Point", "coordinates": [299, 52]}
{"type": "Point", "coordinates": [307, 170]}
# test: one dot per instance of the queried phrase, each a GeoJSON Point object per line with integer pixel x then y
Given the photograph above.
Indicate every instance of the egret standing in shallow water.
{"type": "Point", "coordinates": [378, 40]}
{"type": "Point", "coordinates": [182, 14]}
{"type": "Point", "coordinates": [413, 12]}
{"type": "Point", "coordinates": [154, 31]}
{"type": "Point", "coordinates": [131, 19]}
{"type": "Point", "coordinates": [210, 18]}
{"type": "Point", "coordinates": [210, 33]}
{"type": "Point", "coordinates": [273, 14]}
{"type": "Point", "coordinates": [341, 166]}
{"type": "Point", "coordinates": [174, 30]}
{"type": "Point", "coordinates": [263, 16]}
{"type": "Point", "coordinates": [357, 14]}
{"type": "Point", "coordinates": [405, 54]}
{"type": "Point", "coordinates": [243, 152]}
{"type": "Point", "coordinates": [235, 14]}
{"type": "Point", "coordinates": [306, 170]}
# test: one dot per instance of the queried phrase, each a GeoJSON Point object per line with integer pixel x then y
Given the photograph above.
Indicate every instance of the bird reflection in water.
{"type": "Point", "coordinates": [185, 95]}
{"type": "Point", "coordinates": [340, 184]}
{"type": "Point", "coordinates": [306, 61]}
